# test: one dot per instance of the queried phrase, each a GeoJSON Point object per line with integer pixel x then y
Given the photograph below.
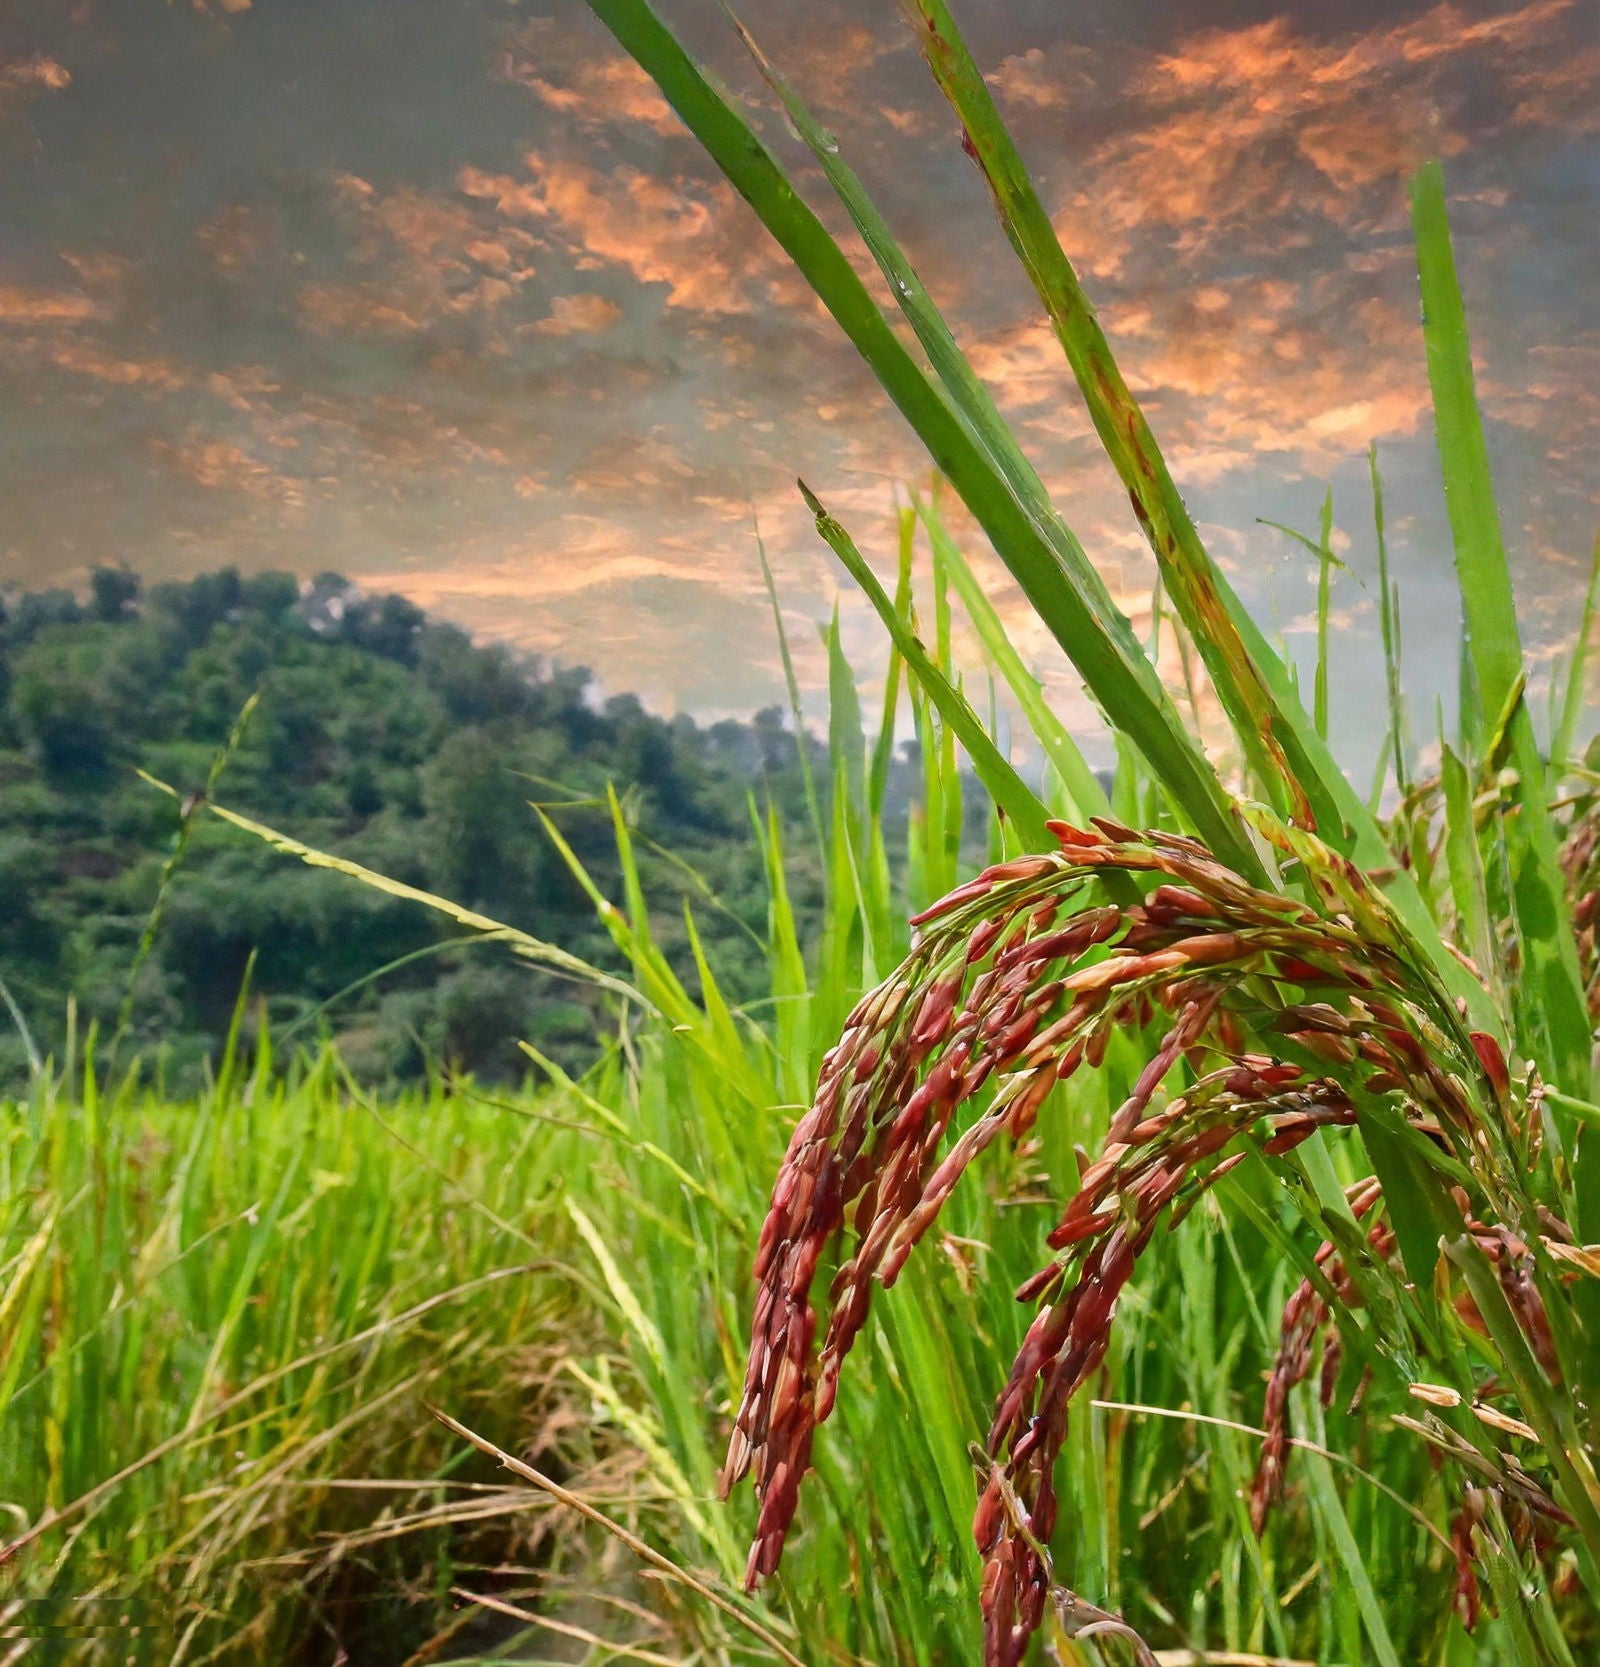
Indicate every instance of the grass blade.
{"type": "Point", "coordinates": [647, 1553]}
{"type": "Point", "coordinates": [792, 684]}
{"type": "Point", "coordinates": [1009, 791]}
{"type": "Point", "coordinates": [883, 748]}
{"type": "Point", "coordinates": [1553, 1017]}
{"type": "Point", "coordinates": [1565, 729]}
{"type": "Point", "coordinates": [1389, 627]}
{"type": "Point", "coordinates": [1269, 729]}
{"type": "Point", "coordinates": [524, 943]}
{"type": "Point", "coordinates": [1081, 783]}
{"type": "Point", "coordinates": [1123, 683]}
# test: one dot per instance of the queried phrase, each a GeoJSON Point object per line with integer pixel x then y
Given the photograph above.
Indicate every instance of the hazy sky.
{"type": "Point", "coordinates": [438, 293]}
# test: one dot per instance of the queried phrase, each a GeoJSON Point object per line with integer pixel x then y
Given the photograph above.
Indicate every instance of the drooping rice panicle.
{"type": "Point", "coordinates": [1017, 980]}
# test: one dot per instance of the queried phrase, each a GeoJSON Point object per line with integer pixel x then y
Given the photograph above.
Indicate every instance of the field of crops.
{"type": "Point", "coordinates": [1299, 1090]}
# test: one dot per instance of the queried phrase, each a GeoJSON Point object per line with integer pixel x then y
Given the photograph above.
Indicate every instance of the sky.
{"type": "Point", "coordinates": [441, 296]}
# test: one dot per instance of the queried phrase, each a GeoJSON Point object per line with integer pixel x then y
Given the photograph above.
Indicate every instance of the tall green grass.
{"type": "Point", "coordinates": [221, 1321]}
{"type": "Point", "coordinates": [277, 1218]}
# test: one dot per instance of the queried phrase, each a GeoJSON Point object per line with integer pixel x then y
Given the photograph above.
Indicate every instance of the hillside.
{"type": "Point", "coordinates": [381, 735]}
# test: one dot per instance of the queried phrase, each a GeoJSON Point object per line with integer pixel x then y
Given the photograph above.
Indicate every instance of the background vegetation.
{"type": "Point", "coordinates": [391, 739]}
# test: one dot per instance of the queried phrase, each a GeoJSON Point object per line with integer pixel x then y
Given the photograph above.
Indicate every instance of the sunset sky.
{"type": "Point", "coordinates": [440, 295]}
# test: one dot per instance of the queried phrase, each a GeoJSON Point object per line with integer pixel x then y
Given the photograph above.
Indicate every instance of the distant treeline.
{"type": "Point", "coordinates": [383, 736]}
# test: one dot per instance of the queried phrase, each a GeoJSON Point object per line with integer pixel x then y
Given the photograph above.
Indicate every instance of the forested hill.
{"type": "Point", "coordinates": [380, 735]}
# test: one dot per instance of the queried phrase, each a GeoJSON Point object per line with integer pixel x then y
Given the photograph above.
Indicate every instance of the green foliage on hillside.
{"type": "Point", "coordinates": [380, 735]}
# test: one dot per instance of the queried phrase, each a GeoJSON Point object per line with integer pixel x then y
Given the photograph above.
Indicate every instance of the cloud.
{"type": "Point", "coordinates": [239, 239]}
{"type": "Point", "coordinates": [1249, 131]}
{"type": "Point", "coordinates": [221, 465]}
{"type": "Point", "coordinates": [345, 257]}
{"type": "Point", "coordinates": [1283, 150]}
{"type": "Point", "coordinates": [692, 237]}
{"type": "Point", "coordinates": [424, 256]}
{"type": "Point", "coordinates": [89, 359]}
{"type": "Point", "coordinates": [640, 470]}
{"type": "Point", "coordinates": [352, 309]}
{"type": "Point", "coordinates": [579, 315]}
{"type": "Point", "coordinates": [23, 306]}
{"type": "Point", "coordinates": [1244, 132]}
{"type": "Point", "coordinates": [1263, 373]}
{"type": "Point", "coordinates": [1230, 371]}
{"type": "Point", "coordinates": [1024, 363]}
{"type": "Point", "coordinates": [24, 78]}
{"type": "Point", "coordinates": [1561, 95]}
{"type": "Point", "coordinates": [1036, 80]}
{"type": "Point", "coordinates": [540, 371]}
{"type": "Point", "coordinates": [834, 52]}
{"type": "Point", "coordinates": [563, 70]}
{"type": "Point", "coordinates": [602, 554]}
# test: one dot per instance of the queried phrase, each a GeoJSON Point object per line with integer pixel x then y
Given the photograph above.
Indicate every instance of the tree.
{"type": "Point", "coordinates": [380, 735]}
{"type": "Point", "coordinates": [113, 593]}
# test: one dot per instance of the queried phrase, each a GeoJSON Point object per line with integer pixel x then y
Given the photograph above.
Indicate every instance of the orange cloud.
{"type": "Point", "coordinates": [414, 258]}
{"type": "Point", "coordinates": [1247, 126]}
{"type": "Point", "coordinates": [425, 256]}
{"type": "Point", "coordinates": [1242, 132]}
{"type": "Point", "coordinates": [1266, 376]}
{"type": "Point", "coordinates": [61, 328]}
{"type": "Point", "coordinates": [1233, 370]}
{"type": "Point", "coordinates": [579, 315]}
{"type": "Point", "coordinates": [834, 52]}
{"type": "Point", "coordinates": [1561, 95]}
{"type": "Point", "coordinates": [239, 239]}
{"type": "Point", "coordinates": [1026, 366]}
{"type": "Point", "coordinates": [22, 306]}
{"type": "Point", "coordinates": [565, 73]}
{"type": "Point", "coordinates": [1289, 149]}
{"type": "Point", "coordinates": [350, 309]}
{"type": "Point", "coordinates": [1035, 80]}
{"type": "Point", "coordinates": [642, 470]}
{"type": "Point", "coordinates": [24, 78]}
{"type": "Point", "coordinates": [597, 554]}
{"type": "Point", "coordinates": [693, 238]}
{"type": "Point", "coordinates": [221, 465]}
{"type": "Point", "coordinates": [85, 358]}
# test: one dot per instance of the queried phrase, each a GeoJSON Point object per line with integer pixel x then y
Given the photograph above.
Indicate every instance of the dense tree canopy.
{"type": "Point", "coordinates": [379, 734]}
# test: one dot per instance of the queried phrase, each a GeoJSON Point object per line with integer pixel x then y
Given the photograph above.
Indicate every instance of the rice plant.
{"type": "Point", "coordinates": [1310, 980]}
{"type": "Point", "coordinates": [1290, 1019]}
{"type": "Point", "coordinates": [220, 1323]}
